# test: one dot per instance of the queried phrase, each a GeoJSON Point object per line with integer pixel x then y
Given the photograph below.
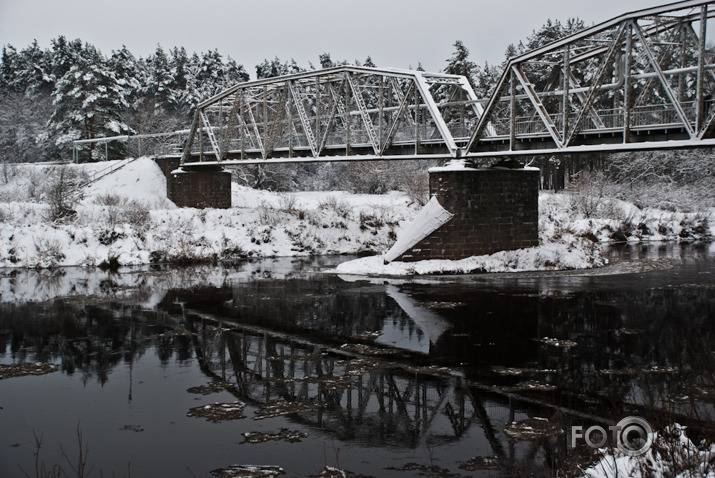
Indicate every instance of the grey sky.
{"type": "Point", "coordinates": [395, 33]}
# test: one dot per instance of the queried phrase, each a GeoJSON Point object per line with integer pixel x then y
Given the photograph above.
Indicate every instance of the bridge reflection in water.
{"type": "Point", "coordinates": [402, 366]}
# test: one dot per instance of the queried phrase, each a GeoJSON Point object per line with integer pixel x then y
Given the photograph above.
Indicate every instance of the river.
{"type": "Point", "coordinates": [379, 376]}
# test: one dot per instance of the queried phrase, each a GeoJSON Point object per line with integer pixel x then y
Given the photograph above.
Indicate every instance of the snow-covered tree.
{"type": "Point", "coordinates": [88, 103]}
{"type": "Point", "coordinates": [63, 55]}
{"type": "Point", "coordinates": [124, 66]}
{"type": "Point", "coordinates": [236, 73]}
{"type": "Point", "coordinates": [32, 70]}
{"type": "Point", "coordinates": [487, 79]}
{"type": "Point", "coordinates": [161, 76]}
{"type": "Point", "coordinates": [273, 68]}
{"type": "Point", "coordinates": [459, 64]}
{"type": "Point", "coordinates": [325, 61]}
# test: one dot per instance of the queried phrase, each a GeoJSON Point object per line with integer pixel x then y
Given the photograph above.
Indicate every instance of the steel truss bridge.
{"type": "Point", "coordinates": [644, 80]}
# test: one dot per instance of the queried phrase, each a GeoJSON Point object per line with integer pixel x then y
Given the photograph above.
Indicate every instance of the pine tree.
{"type": "Point", "coordinates": [487, 80]}
{"type": "Point", "coordinates": [88, 103]}
{"type": "Point", "coordinates": [8, 68]}
{"type": "Point", "coordinates": [64, 55]}
{"type": "Point", "coordinates": [273, 68]}
{"type": "Point", "coordinates": [459, 64]}
{"type": "Point", "coordinates": [325, 61]}
{"type": "Point", "coordinates": [235, 73]}
{"type": "Point", "coordinates": [33, 70]}
{"type": "Point", "coordinates": [161, 78]}
{"type": "Point", "coordinates": [126, 71]}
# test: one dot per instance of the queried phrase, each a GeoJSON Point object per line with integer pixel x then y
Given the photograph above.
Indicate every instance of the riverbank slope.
{"type": "Point", "coordinates": [125, 219]}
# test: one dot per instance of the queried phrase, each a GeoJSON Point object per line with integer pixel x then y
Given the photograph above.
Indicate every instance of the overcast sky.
{"type": "Point", "coordinates": [395, 33]}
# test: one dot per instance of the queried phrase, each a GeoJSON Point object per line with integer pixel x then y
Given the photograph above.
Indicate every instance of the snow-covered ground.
{"type": "Point", "coordinates": [125, 218]}
{"type": "Point", "coordinates": [672, 454]}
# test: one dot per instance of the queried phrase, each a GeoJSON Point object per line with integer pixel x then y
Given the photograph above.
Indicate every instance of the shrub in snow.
{"type": "Point", "coordinates": [62, 192]}
{"type": "Point", "coordinates": [288, 203]}
{"type": "Point", "coordinates": [49, 252]}
{"type": "Point", "coordinates": [341, 207]}
{"type": "Point", "coordinates": [8, 171]}
{"type": "Point", "coordinates": [137, 215]}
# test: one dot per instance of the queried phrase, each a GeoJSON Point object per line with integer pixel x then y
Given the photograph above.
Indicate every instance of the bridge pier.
{"type": "Point", "coordinates": [200, 188]}
{"type": "Point", "coordinates": [204, 187]}
{"type": "Point", "coordinates": [494, 209]}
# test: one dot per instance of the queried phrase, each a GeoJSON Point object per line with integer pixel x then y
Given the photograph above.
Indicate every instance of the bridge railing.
{"type": "Point", "coordinates": [642, 117]}
{"type": "Point", "coordinates": [129, 146]}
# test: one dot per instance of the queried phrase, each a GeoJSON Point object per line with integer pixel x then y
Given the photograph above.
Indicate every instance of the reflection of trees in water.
{"type": "Point", "coordinates": [87, 338]}
{"type": "Point", "coordinates": [645, 347]}
{"type": "Point", "coordinates": [649, 345]}
{"type": "Point", "coordinates": [268, 339]}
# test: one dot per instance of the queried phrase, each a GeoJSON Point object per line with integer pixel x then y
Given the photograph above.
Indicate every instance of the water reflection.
{"type": "Point", "coordinates": [398, 364]}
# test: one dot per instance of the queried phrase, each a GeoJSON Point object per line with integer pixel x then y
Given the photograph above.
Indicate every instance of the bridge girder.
{"type": "Point", "coordinates": [642, 80]}
{"type": "Point", "coordinates": [337, 112]}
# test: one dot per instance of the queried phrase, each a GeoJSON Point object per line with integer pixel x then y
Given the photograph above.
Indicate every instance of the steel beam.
{"type": "Point", "coordinates": [538, 105]}
{"type": "Point", "coordinates": [664, 82]}
{"type": "Point", "coordinates": [367, 122]}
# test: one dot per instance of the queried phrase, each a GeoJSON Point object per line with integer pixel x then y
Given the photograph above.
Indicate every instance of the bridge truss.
{"type": "Point", "coordinates": [644, 80]}
{"type": "Point", "coordinates": [338, 112]}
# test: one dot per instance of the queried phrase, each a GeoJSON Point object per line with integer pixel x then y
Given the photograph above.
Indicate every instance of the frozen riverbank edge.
{"type": "Point", "coordinates": [125, 219]}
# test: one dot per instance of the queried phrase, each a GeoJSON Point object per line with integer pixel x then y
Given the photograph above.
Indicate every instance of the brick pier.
{"type": "Point", "coordinates": [494, 210]}
{"type": "Point", "coordinates": [201, 187]}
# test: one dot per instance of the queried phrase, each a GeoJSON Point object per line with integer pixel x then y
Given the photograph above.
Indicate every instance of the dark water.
{"type": "Point", "coordinates": [456, 360]}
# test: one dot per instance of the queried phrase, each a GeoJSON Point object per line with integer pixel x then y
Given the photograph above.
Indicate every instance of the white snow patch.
{"type": "Point", "coordinates": [562, 255]}
{"type": "Point", "coordinates": [430, 218]}
{"type": "Point", "coordinates": [672, 454]}
{"type": "Point", "coordinates": [145, 227]}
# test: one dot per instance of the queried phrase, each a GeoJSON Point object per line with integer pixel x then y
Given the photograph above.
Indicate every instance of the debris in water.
{"type": "Point", "coordinates": [702, 392]}
{"type": "Point", "coordinates": [481, 463]}
{"type": "Point", "coordinates": [281, 407]}
{"type": "Point", "coordinates": [442, 305]}
{"type": "Point", "coordinates": [562, 344]}
{"type": "Point", "coordinates": [212, 387]}
{"type": "Point", "coordinates": [530, 386]}
{"type": "Point", "coordinates": [367, 335]}
{"type": "Point", "coordinates": [639, 371]}
{"type": "Point", "coordinates": [532, 429]}
{"type": "Point", "coordinates": [367, 350]}
{"type": "Point", "coordinates": [515, 372]}
{"type": "Point", "coordinates": [24, 369]}
{"type": "Point", "coordinates": [178, 333]}
{"type": "Point", "coordinates": [425, 470]}
{"type": "Point", "coordinates": [424, 370]}
{"type": "Point", "coordinates": [249, 471]}
{"type": "Point", "coordinates": [626, 331]}
{"type": "Point", "coordinates": [330, 472]}
{"type": "Point", "coordinates": [132, 428]}
{"type": "Point", "coordinates": [330, 382]}
{"type": "Point", "coordinates": [218, 412]}
{"type": "Point", "coordinates": [358, 367]}
{"type": "Point", "coordinates": [311, 357]}
{"type": "Point", "coordinates": [285, 434]}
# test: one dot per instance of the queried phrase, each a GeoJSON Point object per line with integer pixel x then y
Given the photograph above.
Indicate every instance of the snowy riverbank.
{"type": "Point", "coordinates": [125, 218]}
